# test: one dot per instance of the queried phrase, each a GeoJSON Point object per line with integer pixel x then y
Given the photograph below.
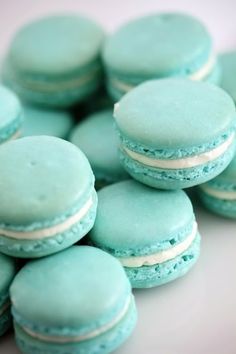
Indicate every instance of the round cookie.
{"type": "Point", "coordinates": [152, 232]}
{"type": "Point", "coordinates": [228, 68]}
{"type": "Point", "coordinates": [97, 138]}
{"type": "Point", "coordinates": [8, 270]}
{"type": "Point", "coordinates": [11, 115]}
{"type": "Point", "coordinates": [46, 122]}
{"type": "Point", "coordinates": [175, 133]}
{"type": "Point", "coordinates": [158, 46]}
{"type": "Point", "coordinates": [55, 61]}
{"type": "Point", "coordinates": [82, 303]}
{"type": "Point", "coordinates": [48, 201]}
{"type": "Point", "coordinates": [219, 194]}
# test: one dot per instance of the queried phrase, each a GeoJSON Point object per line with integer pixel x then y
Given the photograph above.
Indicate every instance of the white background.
{"type": "Point", "coordinates": [196, 314]}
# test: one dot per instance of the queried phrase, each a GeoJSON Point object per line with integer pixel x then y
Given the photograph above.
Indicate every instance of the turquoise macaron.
{"type": "Point", "coordinates": [46, 122]}
{"type": "Point", "coordinates": [48, 201]}
{"type": "Point", "coordinates": [55, 60]}
{"type": "Point", "coordinates": [157, 46]}
{"type": "Point", "coordinates": [153, 233]}
{"type": "Point", "coordinates": [219, 194]}
{"type": "Point", "coordinates": [97, 138]}
{"type": "Point", "coordinates": [176, 133]}
{"type": "Point", "coordinates": [228, 67]}
{"type": "Point", "coordinates": [8, 269]}
{"type": "Point", "coordinates": [11, 115]}
{"type": "Point", "coordinates": [82, 303]}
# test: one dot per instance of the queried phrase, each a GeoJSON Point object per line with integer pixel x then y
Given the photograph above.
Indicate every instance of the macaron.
{"type": "Point", "coordinates": [82, 303]}
{"type": "Point", "coordinates": [11, 115]}
{"type": "Point", "coordinates": [46, 122]}
{"type": "Point", "coordinates": [97, 138]}
{"type": "Point", "coordinates": [175, 133]}
{"type": "Point", "coordinates": [153, 233]}
{"type": "Point", "coordinates": [219, 194]}
{"type": "Point", "coordinates": [8, 270]}
{"type": "Point", "coordinates": [48, 201]}
{"type": "Point", "coordinates": [158, 46]}
{"type": "Point", "coordinates": [55, 60]}
{"type": "Point", "coordinates": [228, 67]}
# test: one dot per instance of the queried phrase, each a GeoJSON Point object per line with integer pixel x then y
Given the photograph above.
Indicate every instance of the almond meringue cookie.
{"type": "Point", "coordinates": [175, 133]}
{"type": "Point", "coordinates": [153, 233]}
{"type": "Point", "coordinates": [158, 46]}
{"type": "Point", "coordinates": [55, 61]}
{"type": "Point", "coordinates": [48, 199]}
{"type": "Point", "coordinates": [82, 303]}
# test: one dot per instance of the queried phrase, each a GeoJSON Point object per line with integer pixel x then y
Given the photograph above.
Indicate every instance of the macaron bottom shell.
{"type": "Point", "coordinates": [176, 178]}
{"type": "Point", "coordinates": [222, 207]}
{"type": "Point", "coordinates": [45, 246]}
{"type": "Point", "coordinates": [158, 274]}
{"type": "Point", "coordinates": [101, 344]}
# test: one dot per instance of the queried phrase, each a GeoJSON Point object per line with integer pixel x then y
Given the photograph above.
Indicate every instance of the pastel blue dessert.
{"type": "Point", "coordinates": [158, 46]}
{"type": "Point", "coordinates": [82, 303]}
{"type": "Point", "coordinates": [219, 194]}
{"type": "Point", "coordinates": [7, 272]}
{"type": "Point", "coordinates": [175, 133]}
{"type": "Point", "coordinates": [46, 122]}
{"type": "Point", "coordinates": [97, 138]}
{"type": "Point", "coordinates": [228, 65]}
{"type": "Point", "coordinates": [48, 201]}
{"type": "Point", "coordinates": [11, 115]}
{"type": "Point", "coordinates": [152, 232]}
{"type": "Point", "coordinates": [55, 61]}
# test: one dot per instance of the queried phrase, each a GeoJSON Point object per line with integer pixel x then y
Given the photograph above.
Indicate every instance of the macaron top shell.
{"type": "Point", "coordinates": [43, 178]}
{"type": "Point", "coordinates": [55, 45]}
{"type": "Point", "coordinates": [133, 219]}
{"type": "Point", "coordinates": [73, 292]}
{"type": "Point", "coordinates": [228, 80]}
{"type": "Point", "coordinates": [175, 113]}
{"type": "Point", "coordinates": [46, 122]}
{"type": "Point", "coordinates": [158, 45]}
{"type": "Point", "coordinates": [7, 273]}
{"type": "Point", "coordinates": [10, 108]}
{"type": "Point", "coordinates": [97, 138]}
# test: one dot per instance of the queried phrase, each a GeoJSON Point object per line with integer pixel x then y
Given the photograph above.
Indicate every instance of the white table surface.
{"type": "Point", "coordinates": [195, 314]}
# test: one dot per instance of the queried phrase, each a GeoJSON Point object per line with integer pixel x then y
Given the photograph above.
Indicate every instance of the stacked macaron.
{"type": "Point", "coordinates": [172, 129]}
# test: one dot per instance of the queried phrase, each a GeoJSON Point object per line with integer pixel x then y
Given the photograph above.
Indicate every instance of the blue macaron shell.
{"type": "Point", "coordinates": [54, 61]}
{"type": "Point", "coordinates": [11, 114]}
{"type": "Point", "coordinates": [173, 119]}
{"type": "Point", "coordinates": [54, 181]}
{"type": "Point", "coordinates": [97, 138]}
{"type": "Point", "coordinates": [54, 313]}
{"type": "Point", "coordinates": [228, 66]}
{"type": "Point", "coordinates": [46, 122]}
{"type": "Point", "coordinates": [134, 220]}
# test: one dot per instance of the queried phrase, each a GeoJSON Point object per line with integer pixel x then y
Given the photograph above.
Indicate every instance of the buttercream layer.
{"type": "Point", "coordinates": [199, 74]}
{"type": "Point", "coordinates": [89, 335]}
{"type": "Point", "coordinates": [219, 194]}
{"type": "Point", "coordinates": [50, 231]}
{"type": "Point", "coordinates": [182, 163]}
{"type": "Point", "coordinates": [162, 256]}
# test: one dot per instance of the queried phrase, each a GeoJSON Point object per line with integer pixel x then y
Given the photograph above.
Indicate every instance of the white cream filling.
{"type": "Point", "coordinates": [162, 256]}
{"type": "Point", "coordinates": [95, 333]}
{"type": "Point", "coordinates": [200, 74]}
{"type": "Point", "coordinates": [226, 195]}
{"type": "Point", "coordinates": [52, 230]}
{"type": "Point", "coordinates": [186, 162]}
{"type": "Point", "coordinates": [4, 307]}
{"type": "Point", "coordinates": [67, 85]}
